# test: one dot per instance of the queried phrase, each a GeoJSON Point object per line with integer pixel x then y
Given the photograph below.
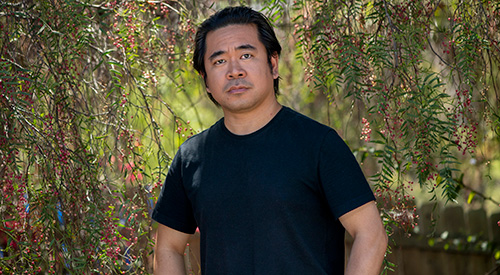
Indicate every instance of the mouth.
{"type": "Point", "coordinates": [237, 89]}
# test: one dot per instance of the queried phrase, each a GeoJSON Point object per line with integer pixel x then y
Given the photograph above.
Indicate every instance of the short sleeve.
{"type": "Point", "coordinates": [342, 181]}
{"type": "Point", "coordinates": [173, 207]}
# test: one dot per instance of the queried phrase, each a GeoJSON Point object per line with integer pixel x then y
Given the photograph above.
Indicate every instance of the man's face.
{"type": "Point", "coordinates": [237, 70]}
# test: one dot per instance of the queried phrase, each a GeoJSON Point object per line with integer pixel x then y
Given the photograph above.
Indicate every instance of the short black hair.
{"type": "Point", "coordinates": [235, 16]}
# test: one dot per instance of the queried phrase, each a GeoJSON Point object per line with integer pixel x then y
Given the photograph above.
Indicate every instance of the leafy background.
{"type": "Point", "coordinates": [96, 96]}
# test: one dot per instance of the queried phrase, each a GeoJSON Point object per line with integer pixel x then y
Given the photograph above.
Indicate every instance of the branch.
{"type": "Point", "coordinates": [494, 270]}
{"type": "Point", "coordinates": [430, 45]}
{"type": "Point", "coordinates": [461, 184]}
{"type": "Point", "coordinates": [440, 58]}
{"type": "Point", "coordinates": [394, 28]}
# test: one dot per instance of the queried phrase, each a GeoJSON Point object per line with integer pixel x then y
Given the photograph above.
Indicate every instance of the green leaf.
{"type": "Point", "coordinates": [431, 242]}
{"type": "Point", "coordinates": [471, 196]}
{"type": "Point", "coordinates": [115, 63]}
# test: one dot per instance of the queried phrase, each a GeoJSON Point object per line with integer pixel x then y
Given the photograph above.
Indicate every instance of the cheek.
{"type": "Point", "coordinates": [212, 85]}
{"type": "Point", "coordinates": [213, 78]}
{"type": "Point", "coordinates": [208, 82]}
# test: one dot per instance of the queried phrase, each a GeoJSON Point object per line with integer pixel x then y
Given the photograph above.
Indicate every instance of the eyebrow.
{"type": "Point", "coordinates": [241, 47]}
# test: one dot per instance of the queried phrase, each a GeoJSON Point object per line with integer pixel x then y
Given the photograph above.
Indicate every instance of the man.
{"type": "Point", "coordinates": [271, 190]}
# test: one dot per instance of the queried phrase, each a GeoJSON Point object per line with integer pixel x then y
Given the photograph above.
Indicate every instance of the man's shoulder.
{"type": "Point", "coordinates": [199, 139]}
{"type": "Point", "coordinates": [304, 123]}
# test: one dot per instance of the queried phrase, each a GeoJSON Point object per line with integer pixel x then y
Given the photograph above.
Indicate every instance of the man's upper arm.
{"type": "Point", "coordinates": [171, 239]}
{"type": "Point", "coordinates": [364, 218]}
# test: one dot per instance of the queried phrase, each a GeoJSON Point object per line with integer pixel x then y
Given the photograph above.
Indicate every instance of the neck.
{"type": "Point", "coordinates": [249, 122]}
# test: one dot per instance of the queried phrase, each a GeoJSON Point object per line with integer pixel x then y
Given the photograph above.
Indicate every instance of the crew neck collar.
{"type": "Point", "coordinates": [273, 121]}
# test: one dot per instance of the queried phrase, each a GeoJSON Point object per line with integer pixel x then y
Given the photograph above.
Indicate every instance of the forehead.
{"type": "Point", "coordinates": [231, 37]}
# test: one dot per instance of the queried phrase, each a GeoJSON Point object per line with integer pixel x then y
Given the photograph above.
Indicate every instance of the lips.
{"type": "Point", "coordinates": [236, 89]}
{"type": "Point", "coordinates": [237, 86]}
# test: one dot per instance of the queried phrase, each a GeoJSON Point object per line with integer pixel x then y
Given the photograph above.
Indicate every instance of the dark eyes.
{"type": "Point", "coordinates": [222, 61]}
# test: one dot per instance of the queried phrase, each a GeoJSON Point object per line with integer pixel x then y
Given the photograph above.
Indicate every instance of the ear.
{"type": "Point", "coordinates": [274, 65]}
{"type": "Point", "coordinates": [204, 80]}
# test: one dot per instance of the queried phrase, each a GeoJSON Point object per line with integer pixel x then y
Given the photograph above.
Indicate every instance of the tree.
{"type": "Point", "coordinates": [85, 129]}
{"type": "Point", "coordinates": [96, 96]}
{"type": "Point", "coordinates": [422, 78]}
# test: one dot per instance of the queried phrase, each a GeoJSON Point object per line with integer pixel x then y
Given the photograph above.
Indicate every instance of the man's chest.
{"type": "Point", "coordinates": [251, 177]}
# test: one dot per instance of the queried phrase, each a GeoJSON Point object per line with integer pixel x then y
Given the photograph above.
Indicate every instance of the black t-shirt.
{"type": "Point", "coordinates": [267, 202]}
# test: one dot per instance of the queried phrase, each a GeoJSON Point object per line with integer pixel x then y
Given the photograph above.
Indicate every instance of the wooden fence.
{"type": "Point", "coordinates": [459, 243]}
{"type": "Point", "coordinates": [447, 241]}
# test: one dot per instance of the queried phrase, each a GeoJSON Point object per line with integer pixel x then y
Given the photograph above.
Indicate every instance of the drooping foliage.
{"type": "Point", "coordinates": [423, 76]}
{"type": "Point", "coordinates": [95, 97]}
{"type": "Point", "coordinates": [83, 130]}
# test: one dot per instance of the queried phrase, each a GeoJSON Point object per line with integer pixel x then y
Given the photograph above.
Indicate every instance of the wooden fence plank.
{"type": "Point", "coordinates": [454, 221]}
{"type": "Point", "coordinates": [477, 223]}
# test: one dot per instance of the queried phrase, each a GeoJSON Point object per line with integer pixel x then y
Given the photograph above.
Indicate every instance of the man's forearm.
{"type": "Point", "coordinates": [370, 240]}
{"type": "Point", "coordinates": [169, 251]}
{"type": "Point", "coordinates": [168, 262]}
{"type": "Point", "coordinates": [367, 255]}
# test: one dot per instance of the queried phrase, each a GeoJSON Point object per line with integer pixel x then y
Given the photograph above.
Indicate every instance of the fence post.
{"type": "Point", "coordinates": [428, 215]}
{"type": "Point", "coordinates": [454, 221]}
{"type": "Point", "coordinates": [495, 228]}
{"type": "Point", "coordinates": [477, 223]}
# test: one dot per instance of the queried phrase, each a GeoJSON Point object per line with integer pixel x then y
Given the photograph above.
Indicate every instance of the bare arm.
{"type": "Point", "coordinates": [370, 240]}
{"type": "Point", "coordinates": [169, 251]}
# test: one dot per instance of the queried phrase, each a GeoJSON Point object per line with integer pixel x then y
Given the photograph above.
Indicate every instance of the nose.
{"type": "Point", "coordinates": [235, 70]}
